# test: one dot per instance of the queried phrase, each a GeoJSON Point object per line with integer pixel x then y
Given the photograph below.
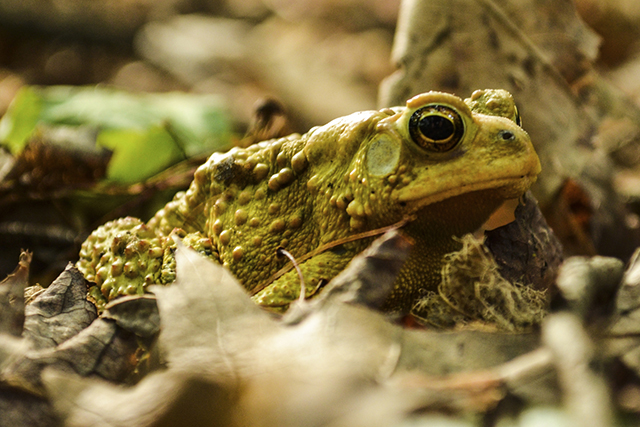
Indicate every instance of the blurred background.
{"type": "Point", "coordinates": [298, 51]}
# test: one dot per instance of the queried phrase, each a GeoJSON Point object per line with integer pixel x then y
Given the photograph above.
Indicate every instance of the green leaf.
{"type": "Point", "coordinates": [146, 132]}
{"type": "Point", "coordinates": [138, 154]}
{"type": "Point", "coordinates": [21, 119]}
{"type": "Point", "coordinates": [194, 120]}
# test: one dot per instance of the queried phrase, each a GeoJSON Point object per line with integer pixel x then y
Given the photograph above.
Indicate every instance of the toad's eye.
{"type": "Point", "coordinates": [436, 128]}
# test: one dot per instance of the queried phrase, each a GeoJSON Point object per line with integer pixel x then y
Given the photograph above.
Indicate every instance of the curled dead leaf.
{"type": "Point", "coordinates": [12, 297]}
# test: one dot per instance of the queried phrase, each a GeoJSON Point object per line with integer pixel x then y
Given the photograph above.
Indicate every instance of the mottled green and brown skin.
{"type": "Point", "coordinates": [446, 162]}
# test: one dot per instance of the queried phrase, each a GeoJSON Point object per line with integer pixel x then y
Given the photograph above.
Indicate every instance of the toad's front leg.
{"type": "Point", "coordinates": [317, 272]}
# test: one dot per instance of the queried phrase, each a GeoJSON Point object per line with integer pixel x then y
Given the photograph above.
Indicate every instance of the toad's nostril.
{"type": "Point", "coordinates": [507, 135]}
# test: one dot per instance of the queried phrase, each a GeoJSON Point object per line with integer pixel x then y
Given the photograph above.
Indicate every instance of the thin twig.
{"type": "Point", "coordinates": [330, 245]}
{"type": "Point", "coordinates": [282, 251]}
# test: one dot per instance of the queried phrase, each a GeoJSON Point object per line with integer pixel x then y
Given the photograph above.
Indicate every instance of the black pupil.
{"type": "Point", "coordinates": [436, 128]}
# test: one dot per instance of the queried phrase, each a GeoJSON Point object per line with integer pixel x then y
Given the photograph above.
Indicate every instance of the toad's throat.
{"type": "Point", "coordinates": [436, 223]}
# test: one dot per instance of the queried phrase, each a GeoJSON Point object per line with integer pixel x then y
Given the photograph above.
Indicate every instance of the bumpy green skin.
{"type": "Point", "coordinates": [125, 256]}
{"type": "Point", "coordinates": [355, 174]}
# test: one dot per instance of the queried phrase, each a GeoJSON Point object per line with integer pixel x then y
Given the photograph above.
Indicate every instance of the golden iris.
{"type": "Point", "coordinates": [436, 128]}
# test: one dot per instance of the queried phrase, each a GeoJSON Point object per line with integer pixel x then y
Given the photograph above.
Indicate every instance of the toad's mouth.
{"type": "Point", "coordinates": [499, 188]}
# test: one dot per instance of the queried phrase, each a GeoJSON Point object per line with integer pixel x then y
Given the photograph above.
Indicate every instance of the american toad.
{"type": "Point", "coordinates": [443, 162]}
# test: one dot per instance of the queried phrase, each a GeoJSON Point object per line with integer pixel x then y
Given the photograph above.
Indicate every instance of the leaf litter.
{"type": "Point", "coordinates": [221, 360]}
{"type": "Point", "coordinates": [61, 331]}
{"type": "Point", "coordinates": [337, 359]}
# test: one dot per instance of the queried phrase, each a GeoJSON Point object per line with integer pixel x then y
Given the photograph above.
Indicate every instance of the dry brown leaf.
{"type": "Point", "coordinates": [586, 394]}
{"type": "Point", "coordinates": [588, 285]}
{"type": "Point", "coordinates": [60, 312]}
{"type": "Point", "coordinates": [137, 314]}
{"type": "Point", "coordinates": [62, 331]}
{"type": "Point", "coordinates": [162, 399]}
{"type": "Point", "coordinates": [624, 332]}
{"type": "Point", "coordinates": [526, 250]}
{"type": "Point", "coordinates": [12, 297]}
